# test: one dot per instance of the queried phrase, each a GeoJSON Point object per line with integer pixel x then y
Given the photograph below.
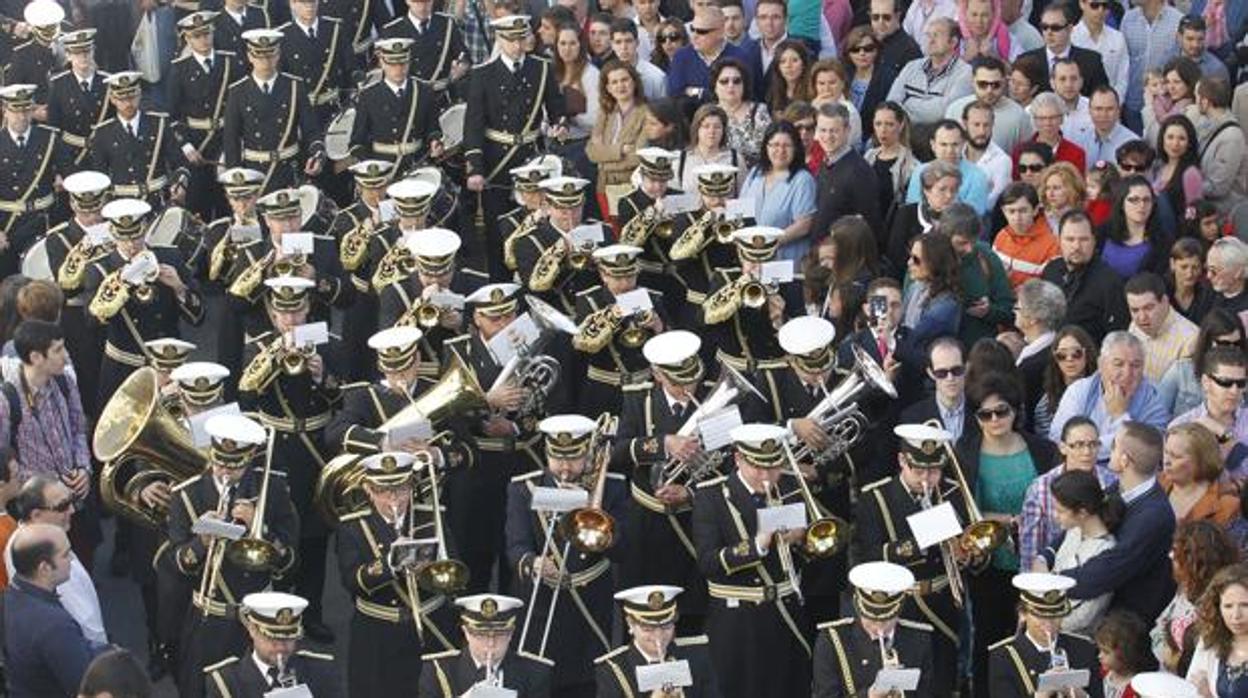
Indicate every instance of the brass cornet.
{"type": "Point", "coordinates": [354, 246]}
{"type": "Point", "coordinates": [295, 361]}
{"type": "Point", "coordinates": [289, 266]}
{"type": "Point", "coordinates": [635, 332]}
{"type": "Point", "coordinates": [754, 293]}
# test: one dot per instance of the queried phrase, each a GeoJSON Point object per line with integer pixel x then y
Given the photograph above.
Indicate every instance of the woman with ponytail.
{"type": "Point", "coordinates": [1089, 516]}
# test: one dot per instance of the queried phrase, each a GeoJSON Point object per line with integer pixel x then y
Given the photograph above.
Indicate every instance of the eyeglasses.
{"type": "Point", "coordinates": [669, 38]}
{"type": "Point", "coordinates": [952, 372]}
{"type": "Point", "coordinates": [1225, 342]}
{"type": "Point", "coordinates": [987, 414]}
{"type": "Point", "coordinates": [701, 31]}
{"type": "Point", "coordinates": [60, 507]}
{"type": "Point", "coordinates": [1098, 5]}
{"type": "Point", "coordinates": [1129, 167]}
{"type": "Point", "coordinates": [1089, 445]}
{"type": "Point", "coordinates": [1032, 168]}
{"type": "Point", "coordinates": [864, 48]}
{"type": "Point", "coordinates": [989, 84]}
{"type": "Point", "coordinates": [1239, 383]}
{"type": "Point", "coordinates": [881, 18]}
{"type": "Point", "coordinates": [1072, 355]}
{"type": "Point", "coordinates": [1137, 200]}
{"type": "Point", "coordinates": [1053, 27]}
{"type": "Point", "coordinates": [729, 81]}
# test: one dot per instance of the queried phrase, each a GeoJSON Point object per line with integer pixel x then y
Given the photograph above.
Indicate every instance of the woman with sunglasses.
{"type": "Point", "coordinates": [890, 156]}
{"type": "Point", "coordinates": [1189, 293]}
{"type": "Point", "coordinates": [1200, 549]}
{"type": "Point", "coordinates": [1223, 380]}
{"type": "Point", "coordinates": [785, 80]}
{"type": "Point", "coordinates": [1073, 357]}
{"type": "Point", "coordinates": [670, 38]}
{"type": "Point", "coordinates": [747, 120]}
{"type": "Point", "coordinates": [931, 299]}
{"type": "Point", "coordinates": [1089, 515]}
{"type": "Point", "coordinates": [1134, 238]}
{"type": "Point", "coordinates": [826, 85]}
{"type": "Point", "coordinates": [999, 462]}
{"type": "Point", "coordinates": [1192, 477]}
{"type": "Point", "coordinates": [866, 82]}
{"type": "Point", "coordinates": [1180, 388]}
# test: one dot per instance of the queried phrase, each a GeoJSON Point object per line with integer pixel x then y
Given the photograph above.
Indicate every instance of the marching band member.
{"type": "Point", "coordinates": [742, 313]}
{"type": "Point", "coordinates": [438, 55]}
{"type": "Point", "coordinates": [553, 266]}
{"type": "Point", "coordinates": [641, 220]}
{"type": "Point", "coordinates": [33, 61]}
{"type": "Point", "coordinates": [272, 621]}
{"type": "Point", "coordinates": [883, 534]}
{"type": "Point", "coordinates": [229, 489]}
{"type": "Point", "coordinates": [531, 204]}
{"type": "Point", "coordinates": [695, 250]}
{"type": "Point", "coordinates": [77, 97]}
{"type": "Point", "coordinates": [1016, 663]}
{"type": "Point", "coordinates": [759, 631]}
{"type": "Point", "coordinates": [489, 623]}
{"type": "Point", "coordinates": [32, 157]}
{"type": "Point", "coordinates": [71, 251]}
{"type": "Point", "coordinates": [235, 19]}
{"type": "Point", "coordinates": [662, 465]}
{"type": "Point", "coordinates": [361, 20]}
{"type": "Point", "coordinates": [199, 386]}
{"type": "Point", "coordinates": [139, 150]}
{"type": "Point", "coordinates": [611, 339]}
{"type": "Point", "coordinates": [650, 612]}
{"type": "Point", "coordinates": [384, 263]}
{"type": "Point", "coordinates": [166, 355]}
{"type": "Point", "coordinates": [291, 390]}
{"type": "Point", "coordinates": [197, 90]}
{"type": "Point", "coordinates": [385, 639]}
{"type": "Point", "coordinates": [367, 406]}
{"type": "Point", "coordinates": [315, 49]}
{"type": "Point", "coordinates": [850, 652]}
{"type": "Point", "coordinates": [412, 301]}
{"type": "Point", "coordinates": [219, 246]}
{"type": "Point", "coordinates": [268, 119]}
{"type": "Point", "coordinates": [793, 387]}
{"type": "Point", "coordinates": [136, 293]}
{"type": "Point", "coordinates": [508, 98]}
{"type": "Point", "coordinates": [353, 229]}
{"type": "Point", "coordinates": [396, 117]}
{"type": "Point", "coordinates": [545, 567]}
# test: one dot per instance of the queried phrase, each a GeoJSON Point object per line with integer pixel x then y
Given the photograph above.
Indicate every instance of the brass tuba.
{"type": "Point", "coordinates": [339, 489]}
{"type": "Point", "coordinates": [139, 442]}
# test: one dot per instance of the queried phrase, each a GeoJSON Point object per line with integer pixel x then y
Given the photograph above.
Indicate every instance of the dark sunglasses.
{"type": "Point", "coordinates": [1098, 5]}
{"type": "Point", "coordinates": [1031, 168]}
{"type": "Point", "coordinates": [1072, 355]}
{"type": "Point", "coordinates": [881, 18]}
{"type": "Point", "coordinates": [987, 414]}
{"type": "Point", "coordinates": [1225, 342]}
{"type": "Point", "coordinates": [1240, 383]}
{"type": "Point", "coordinates": [1053, 27]}
{"type": "Point", "coordinates": [989, 84]}
{"type": "Point", "coordinates": [701, 31]}
{"type": "Point", "coordinates": [1126, 167]}
{"type": "Point", "coordinates": [668, 38]}
{"type": "Point", "coordinates": [61, 507]}
{"type": "Point", "coordinates": [864, 48]}
{"type": "Point", "coordinates": [943, 373]}
{"type": "Point", "coordinates": [729, 81]}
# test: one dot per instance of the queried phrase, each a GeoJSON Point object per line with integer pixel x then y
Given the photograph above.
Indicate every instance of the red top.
{"type": "Point", "coordinates": [1066, 152]}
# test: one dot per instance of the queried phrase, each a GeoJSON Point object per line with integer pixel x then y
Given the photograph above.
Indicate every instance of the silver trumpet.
{"type": "Point", "coordinates": [705, 465]}
{"type": "Point", "coordinates": [839, 413]}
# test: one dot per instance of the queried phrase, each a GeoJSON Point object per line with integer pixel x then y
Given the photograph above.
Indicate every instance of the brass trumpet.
{"type": "Point", "coordinates": [754, 293]}
{"type": "Point", "coordinates": [651, 221]}
{"type": "Point", "coordinates": [295, 361]}
{"type": "Point", "coordinates": [398, 264]}
{"type": "Point", "coordinates": [635, 332]}
{"type": "Point", "coordinates": [290, 265]}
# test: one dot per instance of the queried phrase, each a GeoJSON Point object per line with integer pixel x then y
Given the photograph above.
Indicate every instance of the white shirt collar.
{"type": "Point", "coordinates": [746, 485]}
{"type": "Point", "coordinates": [396, 87]}
{"type": "Point", "coordinates": [416, 21]}
{"type": "Point", "coordinates": [672, 402]}
{"type": "Point", "coordinates": [1138, 491]}
{"type": "Point", "coordinates": [238, 16]}
{"type": "Point", "coordinates": [1053, 56]}
{"type": "Point", "coordinates": [210, 56]}
{"type": "Point", "coordinates": [305, 27]}
{"type": "Point", "coordinates": [511, 65]}
{"type": "Point", "coordinates": [24, 134]}
{"type": "Point", "coordinates": [1036, 346]}
{"type": "Point", "coordinates": [132, 123]}
{"type": "Point", "coordinates": [264, 85]}
{"type": "Point", "coordinates": [261, 665]}
{"type": "Point", "coordinates": [89, 78]}
{"type": "Point", "coordinates": [650, 658]}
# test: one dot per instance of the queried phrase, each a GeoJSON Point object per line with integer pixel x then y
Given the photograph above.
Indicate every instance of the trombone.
{"type": "Point", "coordinates": [946, 555]}
{"type": "Point", "coordinates": [825, 535]}
{"type": "Point", "coordinates": [252, 552]}
{"type": "Point", "coordinates": [409, 577]}
{"type": "Point", "coordinates": [590, 528]}
{"type": "Point", "coordinates": [216, 551]}
{"type": "Point", "coordinates": [444, 575]}
{"type": "Point", "coordinates": [782, 548]}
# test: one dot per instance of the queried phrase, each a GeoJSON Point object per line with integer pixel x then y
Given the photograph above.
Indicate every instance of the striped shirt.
{"type": "Point", "coordinates": [1150, 46]}
{"type": "Point", "coordinates": [52, 436]}
{"type": "Point", "coordinates": [1175, 340]}
{"type": "Point", "coordinates": [1037, 527]}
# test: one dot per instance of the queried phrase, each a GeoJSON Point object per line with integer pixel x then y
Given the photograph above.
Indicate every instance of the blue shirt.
{"type": "Point", "coordinates": [973, 191]}
{"type": "Point", "coordinates": [786, 201]}
{"type": "Point", "coordinates": [1106, 149]}
{"type": "Point", "coordinates": [1150, 46]}
{"type": "Point", "coordinates": [689, 69]}
{"type": "Point", "coordinates": [1083, 397]}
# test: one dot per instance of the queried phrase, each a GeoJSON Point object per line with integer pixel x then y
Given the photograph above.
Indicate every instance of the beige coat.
{"type": "Point", "coordinates": [614, 166]}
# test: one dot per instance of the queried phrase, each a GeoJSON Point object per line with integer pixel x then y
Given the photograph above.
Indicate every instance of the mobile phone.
{"type": "Point", "coordinates": [877, 307]}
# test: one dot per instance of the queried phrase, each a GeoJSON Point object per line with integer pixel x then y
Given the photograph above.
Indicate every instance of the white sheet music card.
{"type": "Point", "coordinates": [675, 204]}
{"type": "Point", "coordinates": [652, 677]}
{"type": "Point", "coordinates": [778, 271]}
{"type": "Point", "coordinates": [559, 498]}
{"type": "Point", "coordinates": [297, 691]}
{"type": "Point", "coordinates": [635, 301]}
{"type": "Point", "coordinates": [490, 692]}
{"type": "Point", "coordinates": [387, 211]}
{"type": "Point", "coordinates": [715, 430]}
{"type": "Point", "coordinates": [140, 269]}
{"type": "Point", "coordinates": [520, 332]}
{"type": "Point", "coordinates": [588, 235]}
{"type": "Point", "coordinates": [97, 234]}
{"type": "Point", "coordinates": [245, 233]}
{"type": "Point", "coordinates": [296, 243]}
{"type": "Point", "coordinates": [418, 428]}
{"type": "Point", "coordinates": [935, 525]}
{"type": "Point", "coordinates": [209, 526]}
{"type": "Point", "coordinates": [786, 517]}
{"type": "Point", "coordinates": [739, 208]}
{"type": "Point", "coordinates": [890, 679]}
{"type": "Point", "coordinates": [1059, 680]}
{"type": "Point", "coordinates": [197, 422]}
{"type": "Point", "coordinates": [312, 333]}
{"type": "Point", "coordinates": [447, 299]}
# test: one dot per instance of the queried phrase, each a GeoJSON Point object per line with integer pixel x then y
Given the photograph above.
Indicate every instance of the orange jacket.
{"type": "Point", "coordinates": [1024, 256]}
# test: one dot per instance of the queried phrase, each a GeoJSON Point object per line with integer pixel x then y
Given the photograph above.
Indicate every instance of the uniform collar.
{"type": "Point", "coordinates": [24, 134]}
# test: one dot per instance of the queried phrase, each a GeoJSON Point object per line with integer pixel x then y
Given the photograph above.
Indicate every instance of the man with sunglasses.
{"type": "Point", "coordinates": [897, 48]}
{"type": "Point", "coordinates": [1011, 125]}
{"type": "Point", "coordinates": [1055, 25]}
{"type": "Point", "coordinates": [1093, 34]}
{"type": "Point", "coordinates": [1223, 380]}
{"type": "Point", "coordinates": [946, 367]}
{"type": "Point", "coordinates": [689, 75]}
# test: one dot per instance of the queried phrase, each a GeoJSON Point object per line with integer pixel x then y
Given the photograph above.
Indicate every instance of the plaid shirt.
{"type": "Point", "coordinates": [1037, 528]}
{"type": "Point", "coordinates": [478, 37]}
{"type": "Point", "coordinates": [1149, 46]}
{"type": "Point", "coordinates": [52, 436]}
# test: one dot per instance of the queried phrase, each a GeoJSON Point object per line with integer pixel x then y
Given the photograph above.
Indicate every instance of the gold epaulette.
{"type": "Point", "coordinates": [527, 476]}
{"type": "Point", "coordinates": [916, 625]}
{"type": "Point", "coordinates": [185, 483]}
{"type": "Point", "coordinates": [773, 364]}
{"type": "Point", "coordinates": [157, 114]}
{"type": "Point", "coordinates": [612, 653]}
{"type": "Point", "coordinates": [395, 21]}
{"type": "Point", "coordinates": [638, 387]}
{"type": "Point", "coordinates": [292, 76]}
{"type": "Point", "coordinates": [715, 481]}
{"type": "Point", "coordinates": [323, 656]}
{"type": "Point", "coordinates": [353, 386]}
{"type": "Point", "coordinates": [220, 665]}
{"type": "Point", "coordinates": [355, 515]}
{"type": "Point", "coordinates": [834, 623]}
{"type": "Point", "coordinates": [457, 339]}
{"type": "Point", "coordinates": [63, 73]}
{"type": "Point", "coordinates": [691, 641]}
{"type": "Point", "coordinates": [1001, 643]}
{"type": "Point", "coordinates": [616, 476]}
{"type": "Point", "coordinates": [445, 654]}
{"type": "Point", "coordinates": [877, 484]}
